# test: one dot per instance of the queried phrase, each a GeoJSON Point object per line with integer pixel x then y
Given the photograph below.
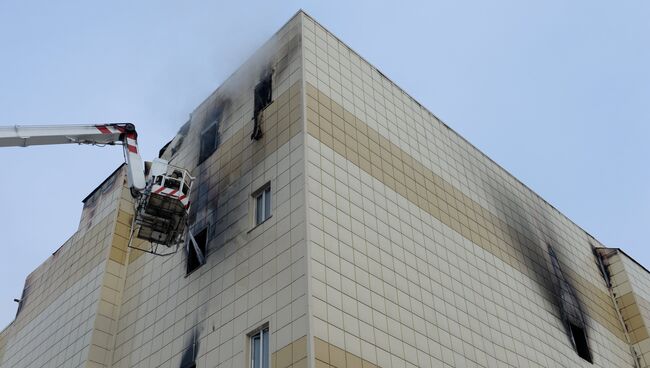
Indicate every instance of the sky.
{"type": "Point", "coordinates": [556, 92]}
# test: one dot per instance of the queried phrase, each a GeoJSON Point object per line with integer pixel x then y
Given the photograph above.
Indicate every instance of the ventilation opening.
{"type": "Point", "coordinates": [263, 98]}
{"type": "Point", "coordinates": [196, 257]}
{"type": "Point", "coordinates": [580, 342]}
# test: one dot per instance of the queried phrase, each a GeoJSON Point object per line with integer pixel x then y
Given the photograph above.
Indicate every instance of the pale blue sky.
{"type": "Point", "coordinates": [556, 92]}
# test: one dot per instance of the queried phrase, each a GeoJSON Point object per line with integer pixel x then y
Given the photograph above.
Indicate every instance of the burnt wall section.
{"type": "Point", "coordinates": [539, 243]}
{"type": "Point", "coordinates": [253, 275]}
{"type": "Point", "coordinates": [193, 343]}
{"type": "Point", "coordinates": [227, 111]}
{"type": "Point", "coordinates": [408, 150]}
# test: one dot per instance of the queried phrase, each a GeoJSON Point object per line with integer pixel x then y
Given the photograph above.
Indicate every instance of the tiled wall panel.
{"type": "Point", "coordinates": [425, 252]}
{"type": "Point", "coordinates": [55, 325]}
{"type": "Point", "coordinates": [254, 275]}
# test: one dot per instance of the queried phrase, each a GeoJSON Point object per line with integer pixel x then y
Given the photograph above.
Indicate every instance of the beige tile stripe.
{"type": "Point", "coordinates": [350, 137]}
{"type": "Point", "coordinates": [629, 304]}
{"type": "Point", "coordinates": [281, 121]}
{"type": "Point", "coordinates": [328, 355]}
{"type": "Point", "coordinates": [294, 355]}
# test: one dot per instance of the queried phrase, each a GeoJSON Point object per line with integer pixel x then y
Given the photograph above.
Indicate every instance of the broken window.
{"type": "Point", "coordinates": [196, 250]}
{"type": "Point", "coordinates": [210, 137]}
{"type": "Point", "coordinates": [263, 98]}
{"type": "Point", "coordinates": [570, 310]}
{"type": "Point", "coordinates": [262, 204]}
{"type": "Point", "coordinates": [209, 141]}
{"type": "Point", "coordinates": [260, 349]}
{"type": "Point", "coordinates": [188, 359]}
{"type": "Point", "coordinates": [580, 342]}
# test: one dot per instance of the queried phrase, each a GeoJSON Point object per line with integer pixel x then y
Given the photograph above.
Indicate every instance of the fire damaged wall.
{"type": "Point", "coordinates": [193, 343]}
{"type": "Point", "coordinates": [230, 108]}
{"type": "Point", "coordinates": [251, 272]}
{"type": "Point", "coordinates": [538, 246]}
{"type": "Point", "coordinates": [388, 240]}
{"type": "Point", "coordinates": [449, 258]}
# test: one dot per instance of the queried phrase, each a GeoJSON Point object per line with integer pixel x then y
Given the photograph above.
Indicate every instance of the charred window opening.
{"type": "Point", "coordinates": [602, 265]}
{"type": "Point", "coordinates": [570, 310]}
{"type": "Point", "coordinates": [263, 98]}
{"type": "Point", "coordinates": [580, 342]}
{"type": "Point", "coordinates": [209, 140]}
{"type": "Point", "coordinates": [188, 359]}
{"type": "Point", "coordinates": [196, 250]}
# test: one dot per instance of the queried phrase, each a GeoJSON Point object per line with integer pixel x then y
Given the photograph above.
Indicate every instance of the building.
{"type": "Point", "coordinates": [342, 225]}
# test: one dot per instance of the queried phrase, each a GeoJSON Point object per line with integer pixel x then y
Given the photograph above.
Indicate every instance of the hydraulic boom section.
{"type": "Point", "coordinates": [162, 197]}
{"type": "Point", "coordinates": [99, 134]}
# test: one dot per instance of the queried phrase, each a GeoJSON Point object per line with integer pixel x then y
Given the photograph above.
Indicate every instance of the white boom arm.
{"type": "Point", "coordinates": [32, 135]}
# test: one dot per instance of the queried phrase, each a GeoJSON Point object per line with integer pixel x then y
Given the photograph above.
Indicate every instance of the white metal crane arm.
{"type": "Point", "coordinates": [100, 134]}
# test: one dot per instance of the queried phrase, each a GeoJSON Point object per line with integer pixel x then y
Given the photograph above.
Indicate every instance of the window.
{"type": "Point", "coordinates": [260, 349]}
{"type": "Point", "coordinates": [580, 342]}
{"type": "Point", "coordinates": [263, 98]}
{"type": "Point", "coordinates": [209, 141]}
{"type": "Point", "coordinates": [570, 309]}
{"type": "Point", "coordinates": [196, 250]}
{"type": "Point", "coordinates": [262, 204]}
{"type": "Point", "coordinates": [210, 136]}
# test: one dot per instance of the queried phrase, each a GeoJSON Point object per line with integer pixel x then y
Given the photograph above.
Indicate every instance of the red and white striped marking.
{"type": "Point", "coordinates": [159, 189]}
{"type": "Point", "coordinates": [131, 138]}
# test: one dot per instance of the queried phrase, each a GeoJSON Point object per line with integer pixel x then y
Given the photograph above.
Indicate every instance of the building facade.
{"type": "Point", "coordinates": [343, 225]}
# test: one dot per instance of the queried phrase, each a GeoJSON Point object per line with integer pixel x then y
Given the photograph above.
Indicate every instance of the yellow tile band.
{"type": "Point", "coordinates": [353, 139]}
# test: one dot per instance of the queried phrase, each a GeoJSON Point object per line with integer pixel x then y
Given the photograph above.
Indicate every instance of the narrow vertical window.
{"type": "Point", "coordinates": [580, 342]}
{"type": "Point", "coordinates": [260, 349]}
{"type": "Point", "coordinates": [196, 253]}
{"type": "Point", "coordinates": [262, 204]}
{"type": "Point", "coordinates": [210, 137]}
{"type": "Point", "coordinates": [570, 310]}
{"type": "Point", "coordinates": [262, 98]}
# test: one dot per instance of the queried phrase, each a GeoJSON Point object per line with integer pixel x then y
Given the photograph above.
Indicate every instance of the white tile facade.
{"type": "Point", "coordinates": [363, 262]}
{"type": "Point", "coordinates": [398, 287]}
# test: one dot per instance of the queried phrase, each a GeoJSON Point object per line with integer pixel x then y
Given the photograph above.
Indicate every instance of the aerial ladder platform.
{"type": "Point", "coordinates": [161, 193]}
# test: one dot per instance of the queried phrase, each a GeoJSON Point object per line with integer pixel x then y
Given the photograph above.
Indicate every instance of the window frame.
{"type": "Point", "coordinates": [190, 250]}
{"type": "Point", "coordinates": [581, 342]}
{"type": "Point", "coordinates": [203, 156]}
{"type": "Point", "coordinates": [261, 101]}
{"type": "Point", "coordinates": [263, 197]}
{"type": "Point", "coordinates": [576, 328]}
{"type": "Point", "coordinates": [264, 356]}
